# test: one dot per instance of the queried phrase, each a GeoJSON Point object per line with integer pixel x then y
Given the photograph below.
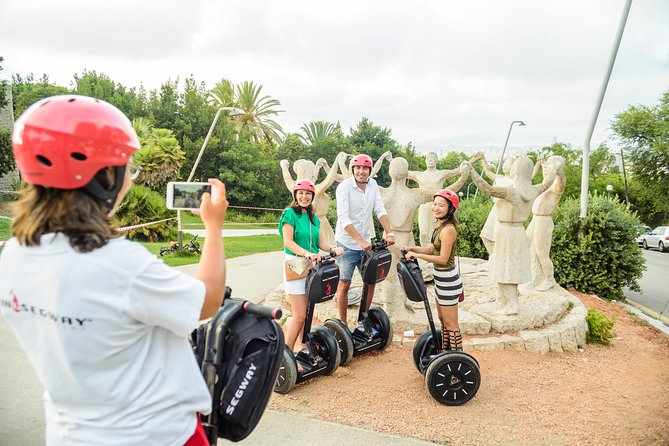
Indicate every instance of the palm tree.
{"type": "Point", "coordinates": [255, 122]}
{"type": "Point", "coordinates": [315, 130]}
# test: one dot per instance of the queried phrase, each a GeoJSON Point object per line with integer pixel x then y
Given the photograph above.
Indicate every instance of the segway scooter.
{"type": "Point", "coordinates": [321, 357]}
{"type": "Point", "coordinates": [374, 331]}
{"type": "Point", "coordinates": [239, 351]}
{"type": "Point", "coordinates": [451, 377]}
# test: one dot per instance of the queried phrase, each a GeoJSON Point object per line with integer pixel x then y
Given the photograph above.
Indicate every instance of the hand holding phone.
{"type": "Point", "coordinates": [186, 196]}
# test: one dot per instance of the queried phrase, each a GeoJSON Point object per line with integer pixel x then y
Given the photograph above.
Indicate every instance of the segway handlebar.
{"type": "Point", "coordinates": [261, 310]}
{"type": "Point", "coordinates": [381, 244]}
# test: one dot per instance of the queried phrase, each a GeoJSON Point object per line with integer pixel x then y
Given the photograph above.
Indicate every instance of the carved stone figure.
{"type": "Point", "coordinates": [433, 179]}
{"type": "Point", "coordinates": [401, 202]}
{"type": "Point", "coordinates": [540, 230]}
{"type": "Point", "coordinates": [305, 169]}
{"type": "Point", "coordinates": [510, 258]}
{"type": "Point", "coordinates": [488, 232]}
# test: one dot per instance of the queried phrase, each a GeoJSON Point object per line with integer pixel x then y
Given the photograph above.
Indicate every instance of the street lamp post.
{"type": "Point", "coordinates": [470, 184]}
{"type": "Point", "coordinates": [609, 188]}
{"type": "Point", "coordinates": [197, 161]}
{"type": "Point", "coordinates": [501, 158]}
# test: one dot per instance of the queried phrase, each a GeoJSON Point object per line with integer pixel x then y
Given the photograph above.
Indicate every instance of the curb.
{"type": "Point", "coordinates": [648, 311]}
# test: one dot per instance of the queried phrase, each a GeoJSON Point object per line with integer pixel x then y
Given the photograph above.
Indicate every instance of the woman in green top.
{"type": "Point", "coordinates": [447, 282]}
{"type": "Point", "coordinates": [300, 231]}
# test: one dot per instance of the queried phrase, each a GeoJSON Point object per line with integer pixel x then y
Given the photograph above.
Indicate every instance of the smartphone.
{"type": "Point", "coordinates": [185, 196]}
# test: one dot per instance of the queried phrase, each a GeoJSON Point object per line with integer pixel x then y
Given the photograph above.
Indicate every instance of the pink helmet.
{"type": "Point", "coordinates": [305, 185]}
{"type": "Point", "coordinates": [361, 160]}
{"type": "Point", "coordinates": [451, 196]}
{"type": "Point", "coordinates": [63, 141]}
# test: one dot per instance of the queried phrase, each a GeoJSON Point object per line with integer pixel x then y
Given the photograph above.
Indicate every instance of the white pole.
{"type": "Point", "coordinates": [585, 170]}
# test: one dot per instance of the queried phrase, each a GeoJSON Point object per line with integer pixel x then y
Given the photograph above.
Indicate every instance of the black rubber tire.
{"type": "Point", "coordinates": [423, 347]}
{"type": "Point", "coordinates": [326, 347]}
{"type": "Point", "coordinates": [343, 337]}
{"type": "Point", "coordinates": [661, 247]}
{"type": "Point", "coordinates": [453, 378]}
{"type": "Point", "coordinates": [645, 244]}
{"type": "Point", "coordinates": [380, 320]}
{"type": "Point", "coordinates": [163, 251]}
{"type": "Point", "coordinates": [287, 376]}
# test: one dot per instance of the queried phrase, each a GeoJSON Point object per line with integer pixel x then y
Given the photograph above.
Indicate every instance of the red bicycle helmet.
{"type": "Point", "coordinates": [63, 141]}
{"type": "Point", "coordinates": [451, 196]}
{"type": "Point", "coordinates": [361, 160]}
{"type": "Point", "coordinates": [305, 185]}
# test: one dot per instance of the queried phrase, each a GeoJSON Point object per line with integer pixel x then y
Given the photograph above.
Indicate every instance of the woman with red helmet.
{"type": "Point", "coordinates": [302, 237]}
{"type": "Point", "coordinates": [103, 322]}
{"type": "Point", "coordinates": [447, 282]}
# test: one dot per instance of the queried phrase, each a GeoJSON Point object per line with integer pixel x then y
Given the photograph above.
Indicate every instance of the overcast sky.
{"type": "Point", "coordinates": [442, 74]}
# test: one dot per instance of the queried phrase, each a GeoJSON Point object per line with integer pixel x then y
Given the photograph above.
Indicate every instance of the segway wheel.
{"type": "Point", "coordinates": [423, 348]}
{"type": "Point", "coordinates": [326, 348]}
{"type": "Point", "coordinates": [343, 337]}
{"type": "Point", "coordinates": [287, 376]}
{"type": "Point", "coordinates": [453, 378]}
{"type": "Point", "coordinates": [380, 322]}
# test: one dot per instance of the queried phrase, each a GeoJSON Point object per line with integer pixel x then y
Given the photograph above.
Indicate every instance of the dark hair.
{"type": "Point", "coordinates": [84, 220]}
{"type": "Point", "coordinates": [298, 209]}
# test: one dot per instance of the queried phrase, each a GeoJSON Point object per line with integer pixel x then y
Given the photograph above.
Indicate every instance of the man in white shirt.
{"type": "Point", "coordinates": [357, 197]}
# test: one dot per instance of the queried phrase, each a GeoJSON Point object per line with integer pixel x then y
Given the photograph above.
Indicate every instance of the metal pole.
{"type": "Point", "coordinates": [585, 170]}
{"type": "Point", "coordinates": [501, 158]}
{"type": "Point", "coordinates": [197, 161]}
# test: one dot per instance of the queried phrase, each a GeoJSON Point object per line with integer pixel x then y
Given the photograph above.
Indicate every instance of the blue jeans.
{"type": "Point", "coordinates": [348, 261]}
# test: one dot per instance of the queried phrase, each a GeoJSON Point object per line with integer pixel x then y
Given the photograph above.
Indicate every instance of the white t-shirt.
{"type": "Point", "coordinates": [354, 206]}
{"type": "Point", "coordinates": [106, 332]}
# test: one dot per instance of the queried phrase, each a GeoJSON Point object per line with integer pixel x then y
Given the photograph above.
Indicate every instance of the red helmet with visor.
{"type": "Point", "coordinates": [450, 196]}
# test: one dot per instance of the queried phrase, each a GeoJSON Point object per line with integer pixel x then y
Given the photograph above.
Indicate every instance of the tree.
{"type": "Point", "coordinates": [318, 129]}
{"type": "Point", "coordinates": [160, 157]}
{"type": "Point", "coordinates": [643, 131]}
{"type": "Point", "coordinates": [7, 162]}
{"type": "Point", "coordinates": [3, 88]}
{"type": "Point", "coordinates": [255, 123]}
{"type": "Point", "coordinates": [374, 141]}
{"type": "Point", "coordinates": [100, 86]}
{"type": "Point", "coordinates": [26, 91]}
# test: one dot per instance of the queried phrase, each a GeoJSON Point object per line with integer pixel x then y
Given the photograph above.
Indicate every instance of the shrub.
{"type": "Point", "coordinates": [606, 258]}
{"type": "Point", "coordinates": [142, 205]}
{"type": "Point", "coordinates": [472, 215]}
{"type": "Point", "coordinates": [600, 328]}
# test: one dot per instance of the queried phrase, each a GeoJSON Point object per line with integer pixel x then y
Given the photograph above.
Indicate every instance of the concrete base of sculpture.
{"type": "Point", "coordinates": [548, 321]}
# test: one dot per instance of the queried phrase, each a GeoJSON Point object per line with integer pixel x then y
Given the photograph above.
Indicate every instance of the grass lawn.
{"type": "Point", "coordinates": [190, 221]}
{"type": "Point", "coordinates": [4, 229]}
{"type": "Point", "coordinates": [234, 247]}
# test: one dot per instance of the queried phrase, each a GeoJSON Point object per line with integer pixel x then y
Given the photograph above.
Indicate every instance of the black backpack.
{"type": "Point", "coordinates": [411, 279]}
{"type": "Point", "coordinates": [239, 351]}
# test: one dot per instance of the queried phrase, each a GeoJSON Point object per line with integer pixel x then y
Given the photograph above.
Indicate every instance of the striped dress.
{"type": "Point", "coordinates": [447, 282]}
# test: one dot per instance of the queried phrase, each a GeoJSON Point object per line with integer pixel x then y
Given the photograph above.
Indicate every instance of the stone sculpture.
{"type": "Point", "coordinates": [510, 258]}
{"type": "Point", "coordinates": [433, 179]}
{"type": "Point", "coordinates": [540, 230]}
{"type": "Point", "coordinates": [305, 169]}
{"type": "Point", "coordinates": [488, 232]}
{"type": "Point", "coordinates": [401, 202]}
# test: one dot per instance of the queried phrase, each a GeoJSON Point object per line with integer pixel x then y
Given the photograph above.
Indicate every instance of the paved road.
{"type": "Point", "coordinates": [654, 296]}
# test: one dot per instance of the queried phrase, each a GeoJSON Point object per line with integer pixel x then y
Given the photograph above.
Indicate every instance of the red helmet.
{"type": "Point", "coordinates": [305, 185]}
{"type": "Point", "coordinates": [361, 160]}
{"type": "Point", "coordinates": [63, 141]}
{"type": "Point", "coordinates": [450, 196]}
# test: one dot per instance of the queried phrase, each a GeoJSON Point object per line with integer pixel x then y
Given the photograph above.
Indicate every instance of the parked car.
{"type": "Point", "coordinates": [658, 238]}
{"type": "Point", "coordinates": [641, 233]}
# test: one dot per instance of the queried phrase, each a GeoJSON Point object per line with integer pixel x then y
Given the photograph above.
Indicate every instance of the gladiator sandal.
{"type": "Point", "coordinates": [444, 339]}
{"type": "Point", "coordinates": [454, 340]}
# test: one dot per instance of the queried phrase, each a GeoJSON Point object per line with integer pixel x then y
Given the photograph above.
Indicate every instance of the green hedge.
{"type": "Point", "coordinates": [607, 258]}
